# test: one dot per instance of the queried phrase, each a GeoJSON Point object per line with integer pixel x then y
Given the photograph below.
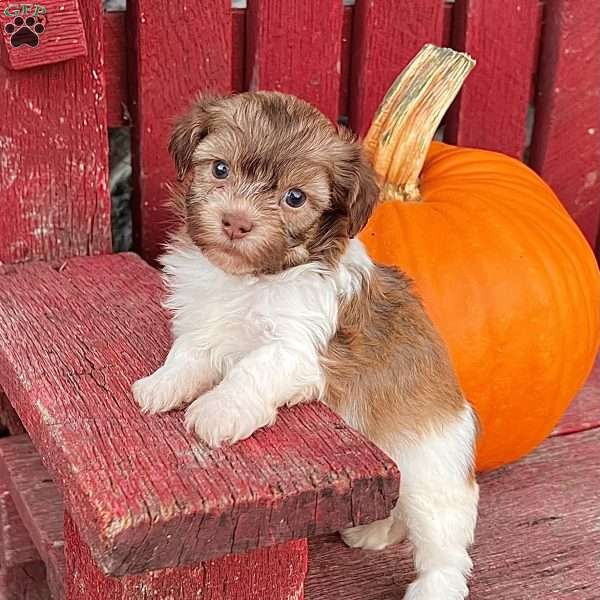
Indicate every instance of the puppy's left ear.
{"type": "Point", "coordinates": [189, 131]}
{"type": "Point", "coordinates": [355, 189]}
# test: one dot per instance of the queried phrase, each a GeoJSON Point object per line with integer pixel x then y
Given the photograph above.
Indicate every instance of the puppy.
{"type": "Point", "coordinates": [276, 302]}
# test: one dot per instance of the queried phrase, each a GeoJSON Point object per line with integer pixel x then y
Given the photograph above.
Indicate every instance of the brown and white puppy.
{"type": "Point", "coordinates": [274, 302]}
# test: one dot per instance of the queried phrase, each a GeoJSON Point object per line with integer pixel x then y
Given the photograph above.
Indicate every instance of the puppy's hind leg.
{"type": "Point", "coordinates": [377, 535]}
{"type": "Point", "coordinates": [438, 503]}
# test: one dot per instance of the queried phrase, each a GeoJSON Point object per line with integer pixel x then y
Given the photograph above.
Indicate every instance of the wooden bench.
{"type": "Point", "coordinates": [143, 510]}
{"type": "Point", "coordinates": [537, 534]}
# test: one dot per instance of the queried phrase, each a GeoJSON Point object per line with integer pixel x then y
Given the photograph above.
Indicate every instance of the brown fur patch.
{"type": "Point", "coordinates": [387, 370]}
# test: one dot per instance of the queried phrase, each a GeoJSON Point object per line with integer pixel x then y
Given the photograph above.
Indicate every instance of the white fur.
{"type": "Point", "coordinates": [258, 340]}
{"type": "Point", "coordinates": [437, 508]}
{"type": "Point", "coordinates": [259, 336]}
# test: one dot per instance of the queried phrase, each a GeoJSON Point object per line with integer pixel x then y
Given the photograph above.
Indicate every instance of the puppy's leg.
{"type": "Point", "coordinates": [377, 535]}
{"type": "Point", "coordinates": [249, 395]}
{"type": "Point", "coordinates": [186, 373]}
{"type": "Point", "coordinates": [438, 503]}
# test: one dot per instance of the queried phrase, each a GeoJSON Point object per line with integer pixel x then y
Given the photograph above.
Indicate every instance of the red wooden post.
{"type": "Point", "coordinates": [295, 47]}
{"type": "Point", "coordinates": [491, 110]}
{"type": "Point", "coordinates": [386, 36]}
{"type": "Point", "coordinates": [566, 139]}
{"type": "Point", "coordinates": [54, 155]}
{"type": "Point", "coordinates": [176, 50]}
{"type": "Point", "coordinates": [274, 573]}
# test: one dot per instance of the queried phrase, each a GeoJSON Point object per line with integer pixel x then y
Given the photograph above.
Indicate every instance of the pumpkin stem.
{"type": "Point", "coordinates": [405, 123]}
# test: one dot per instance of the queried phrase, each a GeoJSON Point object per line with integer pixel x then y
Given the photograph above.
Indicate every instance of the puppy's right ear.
{"type": "Point", "coordinates": [188, 133]}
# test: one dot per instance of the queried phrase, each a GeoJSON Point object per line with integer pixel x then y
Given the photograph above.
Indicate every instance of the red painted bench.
{"type": "Point", "coordinates": [143, 500]}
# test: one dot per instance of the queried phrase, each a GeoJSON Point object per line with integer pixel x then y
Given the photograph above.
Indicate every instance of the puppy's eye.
{"type": "Point", "coordinates": [295, 198]}
{"type": "Point", "coordinates": [220, 169]}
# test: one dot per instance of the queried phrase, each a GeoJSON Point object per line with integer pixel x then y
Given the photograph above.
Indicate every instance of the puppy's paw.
{"type": "Point", "coordinates": [447, 584]}
{"type": "Point", "coordinates": [375, 536]}
{"type": "Point", "coordinates": [217, 417]}
{"type": "Point", "coordinates": [160, 392]}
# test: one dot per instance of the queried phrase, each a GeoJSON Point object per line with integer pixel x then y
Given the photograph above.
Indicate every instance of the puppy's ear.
{"type": "Point", "coordinates": [355, 189]}
{"type": "Point", "coordinates": [189, 131]}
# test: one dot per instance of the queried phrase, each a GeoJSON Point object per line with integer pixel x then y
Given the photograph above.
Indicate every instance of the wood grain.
{"type": "Point", "coordinates": [22, 572]}
{"type": "Point", "coordinates": [491, 110]}
{"type": "Point", "coordinates": [295, 47]}
{"type": "Point", "coordinates": [16, 545]}
{"type": "Point", "coordinates": [115, 58]}
{"type": "Point", "coordinates": [274, 573]}
{"type": "Point", "coordinates": [537, 536]}
{"type": "Point", "coordinates": [144, 493]}
{"type": "Point", "coordinates": [386, 36]}
{"type": "Point", "coordinates": [566, 137]}
{"type": "Point", "coordinates": [39, 505]}
{"type": "Point", "coordinates": [62, 37]}
{"type": "Point", "coordinates": [162, 85]}
{"type": "Point", "coordinates": [26, 582]}
{"type": "Point", "coordinates": [115, 64]}
{"type": "Point", "coordinates": [54, 200]}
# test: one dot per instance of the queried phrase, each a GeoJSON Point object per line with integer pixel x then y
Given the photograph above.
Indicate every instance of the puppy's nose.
{"type": "Point", "coordinates": [236, 226]}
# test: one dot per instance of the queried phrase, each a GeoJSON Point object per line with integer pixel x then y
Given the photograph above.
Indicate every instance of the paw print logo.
{"type": "Point", "coordinates": [25, 31]}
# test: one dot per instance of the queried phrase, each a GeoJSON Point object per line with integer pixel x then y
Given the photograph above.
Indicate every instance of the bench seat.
{"type": "Point", "coordinates": [537, 535]}
{"type": "Point", "coordinates": [142, 493]}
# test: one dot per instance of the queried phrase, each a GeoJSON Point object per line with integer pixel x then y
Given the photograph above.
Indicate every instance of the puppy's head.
{"type": "Point", "coordinates": [270, 183]}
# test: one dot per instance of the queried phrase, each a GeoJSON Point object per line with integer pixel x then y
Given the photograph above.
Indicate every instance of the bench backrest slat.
{"type": "Point", "coordinates": [566, 137]}
{"type": "Point", "coordinates": [296, 47]}
{"type": "Point", "coordinates": [491, 111]}
{"type": "Point", "coordinates": [54, 199]}
{"type": "Point", "coordinates": [386, 35]}
{"type": "Point", "coordinates": [172, 56]}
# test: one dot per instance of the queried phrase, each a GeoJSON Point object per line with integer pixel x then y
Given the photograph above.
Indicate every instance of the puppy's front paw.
{"type": "Point", "coordinates": [159, 392]}
{"type": "Point", "coordinates": [217, 417]}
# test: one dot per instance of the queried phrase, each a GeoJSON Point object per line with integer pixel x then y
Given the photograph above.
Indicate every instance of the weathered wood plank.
{"type": "Point", "coordinates": [16, 545]}
{"type": "Point", "coordinates": [295, 47]}
{"type": "Point", "coordinates": [566, 138]}
{"type": "Point", "coordinates": [161, 87]}
{"type": "Point", "coordinates": [144, 493]}
{"type": "Point", "coordinates": [387, 35]}
{"type": "Point", "coordinates": [537, 535]}
{"type": "Point", "coordinates": [491, 110]}
{"type": "Point", "coordinates": [115, 63]}
{"type": "Point", "coordinates": [584, 412]}
{"type": "Point", "coordinates": [26, 582]}
{"type": "Point", "coordinates": [39, 505]}
{"type": "Point", "coordinates": [22, 572]}
{"type": "Point", "coordinates": [54, 155]}
{"type": "Point", "coordinates": [272, 573]}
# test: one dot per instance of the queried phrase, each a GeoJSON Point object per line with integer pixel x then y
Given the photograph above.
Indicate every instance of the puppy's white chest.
{"type": "Point", "coordinates": [232, 316]}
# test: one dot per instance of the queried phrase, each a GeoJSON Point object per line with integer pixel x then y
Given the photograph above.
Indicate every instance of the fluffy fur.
{"type": "Point", "coordinates": [293, 309]}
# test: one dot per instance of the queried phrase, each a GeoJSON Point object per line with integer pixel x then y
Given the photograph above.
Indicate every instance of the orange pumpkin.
{"type": "Point", "coordinates": [506, 276]}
